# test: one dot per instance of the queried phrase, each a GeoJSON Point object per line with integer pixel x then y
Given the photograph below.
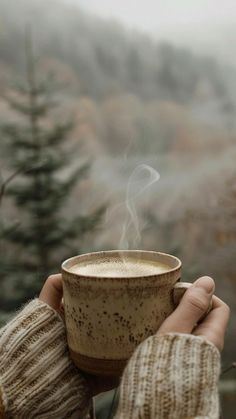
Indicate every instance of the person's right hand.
{"type": "Point", "coordinates": [195, 302]}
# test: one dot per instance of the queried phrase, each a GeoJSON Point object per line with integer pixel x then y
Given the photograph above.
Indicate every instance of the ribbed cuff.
{"type": "Point", "coordinates": [37, 377]}
{"type": "Point", "coordinates": [3, 403]}
{"type": "Point", "coordinates": [171, 376]}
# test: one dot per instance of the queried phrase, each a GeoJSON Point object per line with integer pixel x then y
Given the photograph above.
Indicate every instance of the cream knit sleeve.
{"type": "Point", "coordinates": [37, 377]}
{"type": "Point", "coordinates": [173, 376]}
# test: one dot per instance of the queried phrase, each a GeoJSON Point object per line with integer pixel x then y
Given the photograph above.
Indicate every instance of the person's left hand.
{"type": "Point", "coordinates": [51, 294]}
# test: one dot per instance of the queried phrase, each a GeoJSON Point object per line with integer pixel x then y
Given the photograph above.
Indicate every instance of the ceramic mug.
{"type": "Point", "coordinates": [107, 317]}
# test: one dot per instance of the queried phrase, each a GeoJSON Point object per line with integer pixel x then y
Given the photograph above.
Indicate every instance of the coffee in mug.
{"type": "Point", "coordinates": [122, 266]}
{"type": "Point", "coordinates": [113, 301]}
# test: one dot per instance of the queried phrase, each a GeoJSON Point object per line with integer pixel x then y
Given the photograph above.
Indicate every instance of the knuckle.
{"type": "Point", "coordinates": [212, 336]}
{"type": "Point", "coordinates": [197, 301]}
{"type": "Point", "coordinates": [227, 309]}
{"type": "Point", "coordinates": [51, 279]}
{"type": "Point", "coordinates": [217, 341]}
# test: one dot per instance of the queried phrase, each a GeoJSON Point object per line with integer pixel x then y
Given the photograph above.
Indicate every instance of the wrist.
{"type": "Point", "coordinates": [35, 363]}
{"type": "Point", "coordinates": [171, 375]}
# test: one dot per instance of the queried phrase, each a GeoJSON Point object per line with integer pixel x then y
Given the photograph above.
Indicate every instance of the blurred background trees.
{"type": "Point", "coordinates": [44, 175]}
{"type": "Point", "coordinates": [127, 99]}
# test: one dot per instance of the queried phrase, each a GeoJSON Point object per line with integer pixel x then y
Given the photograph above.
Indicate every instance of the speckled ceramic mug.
{"type": "Point", "coordinates": [107, 317]}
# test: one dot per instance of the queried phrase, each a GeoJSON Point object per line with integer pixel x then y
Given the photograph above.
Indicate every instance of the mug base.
{"type": "Point", "coordinates": [103, 367]}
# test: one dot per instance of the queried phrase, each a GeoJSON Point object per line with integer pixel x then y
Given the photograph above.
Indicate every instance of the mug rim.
{"type": "Point", "coordinates": [115, 251]}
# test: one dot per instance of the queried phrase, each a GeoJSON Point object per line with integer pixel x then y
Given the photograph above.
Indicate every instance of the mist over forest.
{"type": "Point", "coordinates": [135, 101]}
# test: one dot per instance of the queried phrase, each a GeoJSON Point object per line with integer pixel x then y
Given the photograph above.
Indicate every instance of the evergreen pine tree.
{"type": "Point", "coordinates": [6, 267]}
{"type": "Point", "coordinates": [36, 150]}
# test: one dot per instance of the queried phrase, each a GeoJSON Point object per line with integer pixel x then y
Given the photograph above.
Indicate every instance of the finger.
{"type": "Point", "coordinates": [52, 291]}
{"type": "Point", "coordinates": [192, 307]}
{"type": "Point", "coordinates": [215, 323]}
{"type": "Point", "coordinates": [62, 309]}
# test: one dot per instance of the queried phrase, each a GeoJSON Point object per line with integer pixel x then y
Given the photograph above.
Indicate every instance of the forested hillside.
{"type": "Point", "coordinates": [163, 88]}
{"type": "Point", "coordinates": [103, 57]}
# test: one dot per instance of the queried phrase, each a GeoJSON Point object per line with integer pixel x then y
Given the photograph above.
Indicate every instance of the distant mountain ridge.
{"type": "Point", "coordinates": [103, 56]}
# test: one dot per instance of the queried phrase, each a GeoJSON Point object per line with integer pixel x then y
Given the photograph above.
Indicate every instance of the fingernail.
{"type": "Point", "coordinates": [205, 282]}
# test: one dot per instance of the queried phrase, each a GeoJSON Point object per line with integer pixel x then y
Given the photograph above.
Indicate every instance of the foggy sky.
{"type": "Point", "coordinates": [203, 24]}
{"type": "Point", "coordinates": [151, 15]}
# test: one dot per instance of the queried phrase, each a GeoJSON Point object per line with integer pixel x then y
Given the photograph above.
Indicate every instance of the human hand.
{"type": "Point", "coordinates": [51, 294]}
{"type": "Point", "coordinates": [194, 304]}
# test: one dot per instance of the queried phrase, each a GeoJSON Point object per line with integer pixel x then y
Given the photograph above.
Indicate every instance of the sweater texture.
{"type": "Point", "coordinates": [37, 377]}
{"type": "Point", "coordinates": [173, 376]}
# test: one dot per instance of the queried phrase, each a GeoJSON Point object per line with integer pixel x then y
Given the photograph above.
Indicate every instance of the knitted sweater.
{"type": "Point", "coordinates": [168, 377]}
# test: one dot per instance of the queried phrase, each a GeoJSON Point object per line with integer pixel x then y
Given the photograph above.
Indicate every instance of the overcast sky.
{"type": "Point", "coordinates": [154, 14]}
{"type": "Point", "coordinates": [199, 23]}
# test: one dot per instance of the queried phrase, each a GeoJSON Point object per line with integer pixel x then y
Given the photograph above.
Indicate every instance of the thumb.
{"type": "Point", "coordinates": [192, 307]}
{"type": "Point", "coordinates": [51, 293]}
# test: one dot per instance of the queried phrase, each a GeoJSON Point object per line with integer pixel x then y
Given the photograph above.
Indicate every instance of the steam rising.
{"type": "Point", "coordinates": [141, 179]}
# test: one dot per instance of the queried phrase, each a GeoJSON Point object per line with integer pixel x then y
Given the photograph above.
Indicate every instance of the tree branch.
{"type": "Point", "coordinates": [233, 365]}
{"type": "Point", "coordinates": [6, 182]}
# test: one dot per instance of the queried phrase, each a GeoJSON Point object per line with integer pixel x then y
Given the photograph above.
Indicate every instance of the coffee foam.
{"type": "Point", "coordinates": [117, 267]}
